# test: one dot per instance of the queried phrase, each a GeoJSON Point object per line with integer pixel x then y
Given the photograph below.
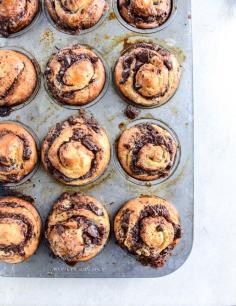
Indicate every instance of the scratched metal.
{"type": "Point", "coordinates": [113, 188]}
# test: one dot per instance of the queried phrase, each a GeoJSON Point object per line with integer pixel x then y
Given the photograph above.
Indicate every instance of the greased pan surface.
{"type": "Point", "coordinates": [113, 188]}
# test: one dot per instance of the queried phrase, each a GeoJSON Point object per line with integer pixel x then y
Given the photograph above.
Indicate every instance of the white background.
{"type": "Point", "coordinates": [209, 275]}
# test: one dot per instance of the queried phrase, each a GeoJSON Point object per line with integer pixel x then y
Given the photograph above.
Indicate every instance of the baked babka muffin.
{"type": "Point", "coordinates": [145, 14]}
{"type": "Point", "coordinates": [74, 16]}
{"type": "Point", "coordinates": [76, 151]}
{"type": "Point", "coordinates": [18, 78]}
{"type": "Point", "coordinates": [77, 227]}
{"type": "Point", "coordinates": [18, 152]}
{"type": "Point", "coordinates": [15, 15]}
{"type": "Point", "coordinates": [75, 75]}
{"type": "Point", "coordinates": [20, 229]}
{"type": "Point", "coordinates": [149, 228]}
{"type": "Point", "coordinates": [147, 74]}
{"type": "Point", "coordinates": [147, 151]}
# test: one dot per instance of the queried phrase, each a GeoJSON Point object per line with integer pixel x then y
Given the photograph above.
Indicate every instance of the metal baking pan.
{"type": "Point", "coordinates": [113, 188]}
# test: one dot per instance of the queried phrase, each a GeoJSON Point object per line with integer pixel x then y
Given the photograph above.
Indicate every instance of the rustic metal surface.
{"type": "Point", "coordinates": [113, 188]}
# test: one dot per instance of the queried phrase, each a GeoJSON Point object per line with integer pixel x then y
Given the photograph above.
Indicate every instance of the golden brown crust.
{"type": "Point", "coordinates": [18, 78]}
{"type": "Point", "coordinates": [77, 227]}
{"type": "Point", "coordinates": [18, 152]}
{"type": "Point", "coordinates": [15, 15]}
{"type": "Point", "coordinates": [147, 151]}
{"type": "Point", "coordinates": [76, 15]}
{"type": "Point", "coordinates": [147, 74]}
{"type": "Point", "coordinates": [76, 151]}
{"type": "Point", "coordinates": [145, 14]}
{"type": "Point", "coordinates": [149, 228]}
{"type": "Point", "coordinates": [20, 228]}
{"type": "Point", "coordinates": [75, 75]}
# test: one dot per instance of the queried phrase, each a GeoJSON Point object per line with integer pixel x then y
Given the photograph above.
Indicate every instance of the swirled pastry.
{"type": "Point", "coordinates": [15, 15]}
{"type": "Point", "coordinates": [145, 14]}
{"type": "Point", "coordinates": [76, 151]}
{"type": "Point", "coordinates": [20, 228]}
{"type": "Point", "coordinates": [76, 15]}
{"type": "Point", "coordinates": [149, 228]}
{"type": "Point", "coordinates": [147, 151]}
{"type": "Point", "coordinates": [75, 75]}
{"type": "Point", "coordinates": [18, 78]}
{"type": "Point", "coordinates": [147, 74]}
{"type": "Point", "coordinates": [77, 227]}
{"type": "Point", "coordinates": [18, 152]}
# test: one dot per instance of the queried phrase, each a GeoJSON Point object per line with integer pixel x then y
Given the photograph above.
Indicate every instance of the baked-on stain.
{"type": "Point", "coordinates": [130, 39]}
{"type": "Point", "coordinates": [100, 181]}
{"type": "Point", "coordinates": [112, 16]}
{"type": "Point", "coordinates": [122, 126]}
{"type": "Point", "coordinates": [47, 38]}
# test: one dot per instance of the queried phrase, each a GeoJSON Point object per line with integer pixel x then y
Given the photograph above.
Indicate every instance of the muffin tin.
{"type": "Point", "coordinates": [113, 188]}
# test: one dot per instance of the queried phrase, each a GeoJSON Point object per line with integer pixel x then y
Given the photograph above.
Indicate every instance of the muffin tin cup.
{"type": "Point", "coordinates": [82, 32]}
{"type": "Point", "coordinates": [103, 174]}
{"type": "Point", "coordinates": [98, 98]}
{"type": "Point", "coordinates": [32, 173]}
{"type": "Point", "coordinates": [135, 181]}
{"type": "Point", "coordinates": [27, 28]}
{"type": "Point", "coordinates": [128, 101]}
{"type": "Point", "coordinates": [145, 31]}
{"type": "Point", "coordinates": [38, 84]}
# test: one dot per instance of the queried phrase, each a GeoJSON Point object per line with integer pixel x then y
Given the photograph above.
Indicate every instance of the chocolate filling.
{"type": "Point", "coordinates": [132, 112]}
{"type": "Point", "coordinates": [89, 206]}
{"type": "Point", "coordinates": [5, 111]}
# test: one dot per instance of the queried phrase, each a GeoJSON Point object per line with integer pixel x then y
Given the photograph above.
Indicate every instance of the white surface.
{"type": "Point", "coordinates": [209, 275]}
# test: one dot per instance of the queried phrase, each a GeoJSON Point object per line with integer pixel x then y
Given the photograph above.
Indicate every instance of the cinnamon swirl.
{"type": "Point", "coordinates": [76, 15]}
{"type": "Point", "coordinates": [149, 228]}
{"type": "Point", "coordinates": [18, 78]}
{"type": "Point", "coordinates": [147, 151]}
{"type": "Point", "coordinates": [77, 227]}
{"type": "Point", "coordinates": [75, 75]}
{"type": "Point", "coordinates": [147, 74]}
{"type": "Point", "coordinates": [18, 152]}
{"type": "Point", "coordinates": [20, 228]}
{"type": "Point", "coordinates": [15, 15]}
{"type": "Point", "coordinates": [76, 151]}
{"type": "Point", "coordinates": [145, 14]}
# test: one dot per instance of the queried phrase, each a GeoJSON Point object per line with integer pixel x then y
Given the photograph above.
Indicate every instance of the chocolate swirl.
{"type": "Point", "coordinates": [147, 74]}
{"type": "Point", "coordinates": [75, 76]}
{"type": "Point", "coordinates": [18, 152]}
{"type": "Point", "coordinates": [20, 227]}
{"type": "Point", "coordinates": [145, 14]}
{"type": "Point", "coordinates": [18, 78]}
{"type": "Point", "coordinates": [146, 151]}
{"type": "Point", "coordinates": [77, 227]}
{"type": "Point", "coordinates": [76, 151]}
{"type": "Point", "coordinates": [149, 228]}
{"type": "Point", "coordinates": [15, 15]}
{"type": "Point", "coordinates": [75, 15]}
